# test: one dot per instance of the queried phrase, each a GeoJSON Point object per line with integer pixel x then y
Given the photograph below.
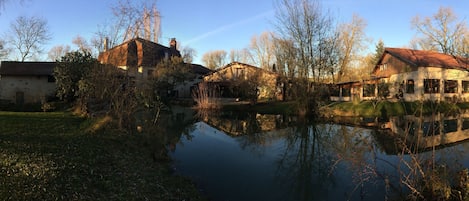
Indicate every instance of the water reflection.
{"type": "Point", "coordinates": [427, 132]}
{"type": "Point", "coordinates": [276, 158]}
{"type": "Point", "coordinates": [246, 156]}
{"type": "Point", "coordinates": [306, 162]}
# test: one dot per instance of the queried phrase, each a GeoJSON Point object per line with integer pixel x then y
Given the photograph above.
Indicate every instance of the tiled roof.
{"type": "Point", "coordinates": [245, 65]}
{"type": "Point", "coordinates": [425, 58]}
{"type": "Point", "coordinates": [199, 69]}
{"type": "Point", "coordinates": [136, 52]}
{"type": "Point", "coordinates": [26, 68]}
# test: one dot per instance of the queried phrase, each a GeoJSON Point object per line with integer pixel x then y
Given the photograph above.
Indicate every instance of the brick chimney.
{"type": "Point", "coordinates": [173, 43]}
{"type": "Point", "coordinates": [105, 41]}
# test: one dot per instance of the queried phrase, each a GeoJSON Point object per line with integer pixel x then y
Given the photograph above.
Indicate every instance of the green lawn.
{"type": "Point", "coordinates": [49, 156]}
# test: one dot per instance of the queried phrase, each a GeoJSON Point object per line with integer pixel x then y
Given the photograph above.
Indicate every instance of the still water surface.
{"type": "Point", "coordinates": [271, 157]}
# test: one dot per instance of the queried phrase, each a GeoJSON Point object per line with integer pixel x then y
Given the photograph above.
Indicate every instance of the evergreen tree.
{"type": "Point", "coordinates": [70, 70]}
{"type": "Point", "coordinates": [378, 52]}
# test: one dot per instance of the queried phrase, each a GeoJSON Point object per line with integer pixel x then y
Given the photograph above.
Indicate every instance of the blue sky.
{"type": "Point", "coordinates": [206, 25]}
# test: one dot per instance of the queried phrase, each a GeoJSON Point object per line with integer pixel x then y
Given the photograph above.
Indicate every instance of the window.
{"type": "Point", "coordinates": [239, 72]}
{"type": "Point", "coordinates": [383, 67]}
{"type": "Point", "coordinates": [450, 126]}
{"type": "Point", "coordinates": [368, 90]}
{"type": "Point", "coordinates": [465, 124]}
{"type": "Point", "coordinates": [346, 92]}
{"type": "Point", "coordinates": [334, 90]}
{"type": "Point", "coordinates": [451, 86]}
{"type": "Point", "coordinates": [431, 86]}
{"type": "Point", "coordinates": [431, 128]}
{"type": "Point", "coordinates": [465, 86]}
{"type": "Point", "coordinates": [410, 87]}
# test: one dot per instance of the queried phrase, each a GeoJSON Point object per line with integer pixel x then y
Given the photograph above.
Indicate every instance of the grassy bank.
{"type": "Point", "coordinates": [386, 108]}
{"type": "Point", "coordinates": [49, 156]}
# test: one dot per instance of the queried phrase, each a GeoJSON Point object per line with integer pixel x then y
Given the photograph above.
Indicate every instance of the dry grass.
{"type": "Point", "coordinates": [206, 97]}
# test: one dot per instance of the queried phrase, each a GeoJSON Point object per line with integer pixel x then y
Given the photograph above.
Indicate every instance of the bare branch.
{"type": "Point", "coordinates": [442, 32]}
{"type": "Point", "coordinates": [214, 59]}
{"type": "Point", "coordinates": [131, 19]}
{"type": "Point", "coordinates": [28, 34]}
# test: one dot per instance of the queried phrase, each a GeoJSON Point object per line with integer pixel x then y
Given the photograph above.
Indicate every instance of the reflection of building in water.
{"type": "Point", "coordinates": [236, 125]}
{"type": "Point", "coordinates": [430, 131]}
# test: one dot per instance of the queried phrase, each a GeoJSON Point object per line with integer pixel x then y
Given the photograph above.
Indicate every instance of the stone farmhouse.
{"type": "Point", "coordinates": [225, 77]}
{"type": "Point", "coordinates": [412, 75]}
{"type": "Point", "coordinates": [139, 57]}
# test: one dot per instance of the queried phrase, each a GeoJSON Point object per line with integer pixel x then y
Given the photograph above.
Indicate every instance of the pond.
{"type": "Point", "coordinates": [273, 157]}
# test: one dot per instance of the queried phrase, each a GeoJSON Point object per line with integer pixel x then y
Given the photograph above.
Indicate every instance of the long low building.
{"type": "Point", "coordinates": [411, 75]}
{"type": "Point", "coordinates": [26, 82]}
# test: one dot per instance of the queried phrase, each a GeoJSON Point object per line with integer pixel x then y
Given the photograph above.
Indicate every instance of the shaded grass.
{"type": "Point", "coordinates": [48, 156]}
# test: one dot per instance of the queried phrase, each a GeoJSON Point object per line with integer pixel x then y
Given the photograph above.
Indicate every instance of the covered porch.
{"type": "Point", "coordinates": [355, 90]}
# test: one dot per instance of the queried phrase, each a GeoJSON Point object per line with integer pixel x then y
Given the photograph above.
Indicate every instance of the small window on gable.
{"type": "Point", "coordinates": [383, 67]}
{"type": "Point", "coordinates": [239, 72]}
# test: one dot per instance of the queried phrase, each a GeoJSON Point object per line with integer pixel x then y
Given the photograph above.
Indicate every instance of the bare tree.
{"type": "Point", "coordinates": [328, 58]}
{"type": "Point", "coordinates": [351, 42]}
{"type": "Point", "coordinates": [82, 44]}
{"type": "Point", "coordinates": [28, 34]}
{"type": "Point", "coordinates": [214, 59]}
{"type": "Point", "coordinates": [4, 51]}
{"type": "Point", "coordinates": [309, 33]}
{"type": "Point", "coordinates": [286, 55]}
{"type": "Point", "coordinates": [309, 28]}
{"type": "Point", "coordinates": [130, 19]}
{"type": "Point", "coordinates": [58, 51]}
{"type": "Point", "coordinates": [443, 32]}
{"type": "Point", "coordinates": [262, 48]}
{"type": "Point", "coordinates": [188, 54]}
{"type": "Point", "coordinates": [243, 55]}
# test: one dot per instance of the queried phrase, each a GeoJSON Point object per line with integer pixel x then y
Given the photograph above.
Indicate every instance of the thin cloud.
{"type": "Point", "coordinates": [228, 27]}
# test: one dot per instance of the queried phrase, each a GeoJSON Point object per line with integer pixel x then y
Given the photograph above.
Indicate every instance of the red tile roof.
{"type": "Point", "coordinates": [425, 58]}
{"type": "Point", "coordinates": [137, 52]}
{"type": "Point", "coordinates": [26, 68]}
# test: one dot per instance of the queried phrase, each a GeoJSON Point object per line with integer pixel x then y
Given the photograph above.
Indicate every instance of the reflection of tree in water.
{"type": "Point", "coordinates": [313, 154]}
{"type": "Point", "coordinates": [307, 161]}
{"type": "Point", "coordinates": [356, 147]}
{"type": "Point", "coordinates": [261, 131]}
{"type": "Point", "coordinates": [168, 131]}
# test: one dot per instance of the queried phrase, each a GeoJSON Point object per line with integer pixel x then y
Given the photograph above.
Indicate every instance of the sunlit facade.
{"type": "Point", "coordinates": [412, 75]}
